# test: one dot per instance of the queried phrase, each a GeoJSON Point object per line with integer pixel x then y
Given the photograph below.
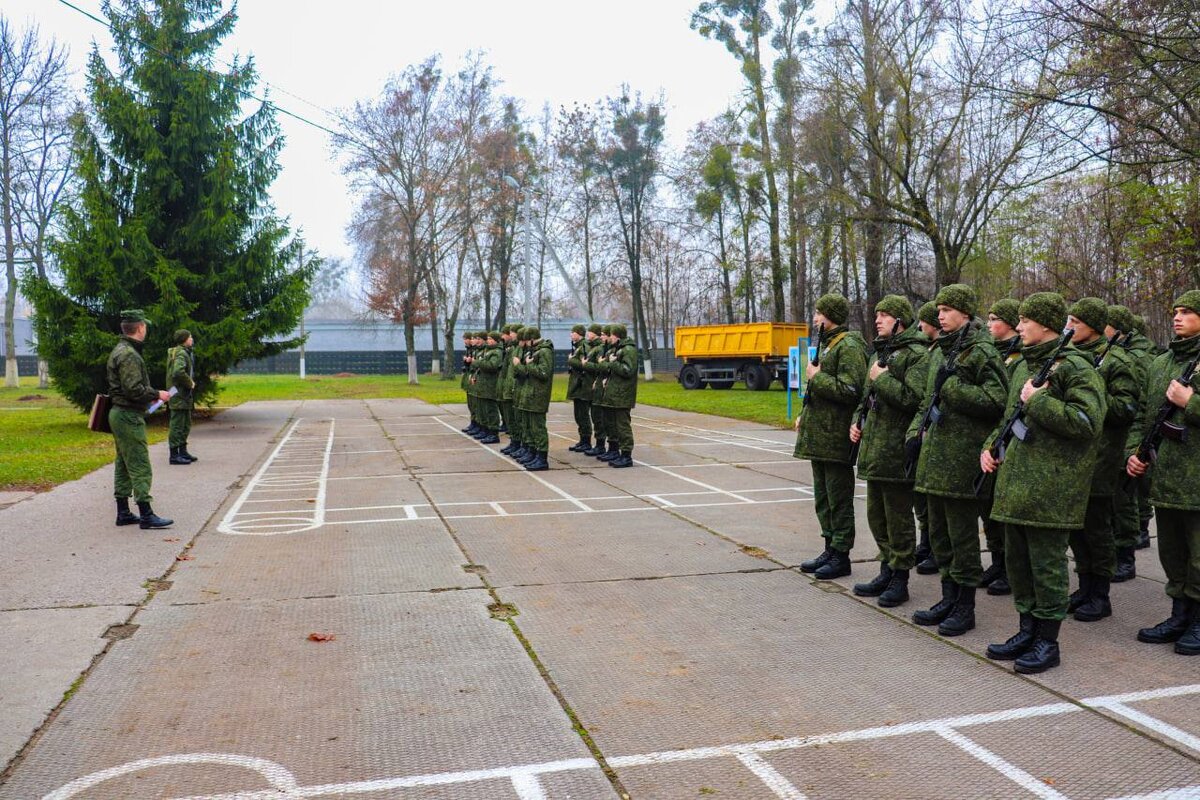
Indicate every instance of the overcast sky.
{"type": "Point", "coordinates": [331, 54]}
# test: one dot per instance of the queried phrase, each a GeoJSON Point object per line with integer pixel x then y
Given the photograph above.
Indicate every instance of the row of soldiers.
{"type": "Point", "coordinates": [508, 377]}
{"type": "Point", "coordinates": [1060, 426]}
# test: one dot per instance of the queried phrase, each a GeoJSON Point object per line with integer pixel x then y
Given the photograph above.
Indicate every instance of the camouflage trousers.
{"type": "Point", "coordinates": [1037, 570]}
{"type": "Point", "coordinates": [890, 517]}
{"type": "Point", "coordinates": [1127, 508]}
{"type": "Point", "coordinates": [537, 437]}
{"type": "Point", "coordinates": [488, 413]}
{"type": "Point", "coordinates": [1179, 551]}
{"type": "Point", "coordinates": [599, 423]}
{"type": "Point", "coordinates": [993, 532]}
{"type": "Point", "coordinates": [921, 510]}
{"type": "Point", "coordinates": [583, 418]}
{"type": "Point", "coordinates": [833, 490]}
{"type": "Point", "coordinates": [1094, 547]}
{"type": "Point", "coordinates": [506, 414]}
{"type": "Point", "coordinates": [473, 408]}
{"type": "Point", "coordinates": [516, 424]}
{"type": "Point", "coordinates": [132, 474]}
{"type": "Point", "coordinates": [954, 536]}
{"type": "Point", "coordinates": [620, 427]}
{"type": "Point", "coordinates": [179, 427]}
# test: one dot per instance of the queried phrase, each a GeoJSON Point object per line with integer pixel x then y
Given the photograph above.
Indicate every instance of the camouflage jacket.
{"type": "Point", "coordinates": [972, 402]}
{"type": "Point", "coordinates": [507, 383]}
{"type": "Point", "coordinates": [537, 369]}
{"type": "Point", "coordinates": [465, 381]}
{"type": "Point", "coordinates": [1142, 352]}
{"type": "Point", "coordinates": [128, 382]}
{"type": "Point", "coordinates": [898, 393]}
{"type": "Point", "coordinates": [620, 376]}
{"type": "Point", "coordinates": [1176, 474]}
{"type": "Point", "coordinates": [1012, 359]}
{"type": "Point", "coordinates": [487, 372]}
{"type": "Point", "coordinates": [180, 371]}
{"type": "Point", "coordinates": [824, 431]}
{"type": "Point", "coordinates": [579, 383]}
{"type": "Point", "coordinates": [1122, 394]}
{"type": "Point", "coordinates": [594, 370]}
{"type": "Point", "coordinates": [1045, 480]}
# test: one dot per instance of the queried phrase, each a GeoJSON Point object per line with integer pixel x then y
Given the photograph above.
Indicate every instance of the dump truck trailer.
{"type": "Point", "coordinates": [720, 355]}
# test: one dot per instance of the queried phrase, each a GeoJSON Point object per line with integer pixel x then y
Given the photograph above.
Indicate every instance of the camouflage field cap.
{"type": "Point", "coordinates": [1120, 318]}
{"type": "Point", "coordinates": [494, 335]}
{"type": "Point", "coordinates": [958, 296]}
{"type": "Point", "coordinates": [928, 314]}
{"type": "Point", "coordinates": [1007, 309]}
{"type": "Point", "coordinates": [182, 335]}
{"type": "Point", "coordinates": [606, 330]}
{"type": "Point", "coordinates": [532, 333]}
{"type": "Point", "coordinates": [1189, 299]}
{"type": "Point", "coordinates": [134, 315]}
{"type": "Point", "coordinates": [619, 331]}
{"type": "Point", "coordinates": [896, 306]}
{"type": "Point", "coordinates": [1091, 311]}
{"type": "Point", "coordinates": [1046, 308]}
{"type": "Point", "coordinates": [596, 329]}
{"type": "Point", "coordinates": [834, 308]}
{"type": "Point", "coordinates": [580, 329]}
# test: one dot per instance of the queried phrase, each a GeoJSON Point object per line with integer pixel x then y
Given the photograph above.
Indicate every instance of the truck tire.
{"type": "Point", "coordinates": [758, 379]}
{"type": "Point", "coordinates": [689, 377]}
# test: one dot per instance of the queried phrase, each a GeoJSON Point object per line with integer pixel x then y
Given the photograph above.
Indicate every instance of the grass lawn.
{"type": "Point", "coordinates": [44, 441]}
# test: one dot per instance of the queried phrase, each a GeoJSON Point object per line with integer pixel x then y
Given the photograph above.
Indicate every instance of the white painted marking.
{"type": "Point", "coordinates": [237, 505]}
{"type": "Point", "coordinates": [1008, 770]}
{"type": "Point", "coordinates": [658, 498]}
{"type": "Point", "coordinates": [528, 787]}
{"type": "Point", "coordinates": [701, 484]}
{"type": "Point", "coordinates": [1181, 793]}
{"type": "Point", "coordinates": [1154, 723]}
{"type": "Point", "coordinates": [410, 512]}
{"type": "Point", "coordinates": [279, 777]}
{"type": "Point", "coordinates": [499, 509]}
{"type": "Point", "coordinates": [771, 777]}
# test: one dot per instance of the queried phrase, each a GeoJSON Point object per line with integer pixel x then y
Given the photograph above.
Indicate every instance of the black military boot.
{"type": "Point", "coordinates": [1172, 628]}
{"type": "Point", "coordinates": [1080, 595]}
{"type": "Point", "coordinates": [838, 566]}
{"type": "Point", "coordinates": [538, 462]}
{"type": "Point", "coordinates": [482, 433]}
{"type": "Point", "coordinates": [924, 554]}
{"type": "Point", "coordinates": [623, 460]}
{"type": "Point", "coordinates": [991, 573]}
{"type": "Point", "coordinates": [581, 445]}
{"type": "Point", "coordinates": [1044, 653]}
{"type": "Point", "coordinates": [491, 438]}
{"type": "Point", "coordinates": [509, 448]}
{"type": "Point", "coordinates": [1097, 605]}
{"type": "Point", "coordinates": [962, 617]}
{"type": "Point", "coordinates": [896, 591]}
{"type": "Point", "coordinates": [183, 451]}
{"type": "Point", "coordinates": [613, 451]}
{"type": "Point", "coordinates": [937, 613]}
{"type": "Point", "coordinates": [814, 564]}
{"type": "Point", "coordinates": [1144, 537]}
{"type": "Point", "coordinates": [1189, 643]}
{"type": "Point", "coordinates": [1126, 565]}
{"type": "Point", "coordinates": [150, 519]}
{"type": "Point", "coordinates": [177, 457]}
{"type": "Point", "coordinates": [1018, 644]}
{"type": "Point", "coordinates": [875, 586]}
{"type": "Point", "coordinates": [124, 515]}
{"type": "Point", "coordinates": [530, 456]}
{"type": "Point", "coordinates": [596, 449]}
{"type": "Point", "coordinates": [470, 429]}
{"type": "Point", "coordinates": [1000, 586]}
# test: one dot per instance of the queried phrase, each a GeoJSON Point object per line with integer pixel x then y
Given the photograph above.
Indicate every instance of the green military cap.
{"type": "Point", "coordinates": [606, 330]}
{"type": "Point", "coordinates": [1046, 308]}
{"type": "Point", "coordinates": [1189, 299]}
{"type": "Point", "coordinates": [532, 333]}
{"type": "Point", "coordinates": [596, 328]}
{"type": "Point", "coordinates": [834, 308]}
{"type": "Point", "coordinates": [896, 306]}
{"type": "Point", "coordinates": [134, 315]}
{"type": "Point", "coordinates": [1120, 318]}
{"type": "Point", "coordinates": [619, 331]}
{"type": "Point", "coordinates": [929, 314]}
{"type": "Point", "coordinates": [958, 296]}
{"type": "Point", "coordinates": [580, 329]}
{"type": "Point", "coordinates": [1008, 310]}
{"type": "Point", "coordinates": [494, 335]}
{"type": "Point", "coordinates": [182, 335]}
{"type": "Point", "coordinates": [1091, 311]}
{"type": "Point", "coordinates": [1139, 323]}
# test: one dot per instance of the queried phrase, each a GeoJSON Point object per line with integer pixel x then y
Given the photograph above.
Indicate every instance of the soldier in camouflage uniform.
{"type": "Point", "coordinates": [180, 374]}
{"type": "Point", "coordinates": [592, 351]}
{"type": "Point", "coordinates": [1042, 485]}
{"type": "Point", "coordinates": [895, 392]}
{"type": "Point", "coordinates": [1144, 351]}
{"type": "Point", "coordinates": [972, 401]}
{"type": "Point", "coordinates": [1003, 318]}
{"type": "Point", "coordinates": [507, 385]}
{"type": "Point", "coordinates": [506, 344]}
{"type": "Point", "coordinates": [835, 388]}
{"type": "Point", "coordinates": [465, 382]}
{"type": "Point", "coordinates": [579, 388]}
{"type": "Point", "coordinates": [524, 452]}
{"type": "Point", "coordinates": [485, 381]}
{"type": "Point", "coordinates": [930, 328]}
{"type": "Point", "coordinates": [130, 391]}
{"type": "Point", "coordinates": [606, 448]}
{"type": "Point", "coordinates": [537, 368]}
{"type": "Point", "coordinates": [1094, 545]}
{"type": "Point", "coordinates": [620, 394]}
{"type": "Point", "coordinates": [1126, 522]}
{"type": "Point", "coordinates": [1174, 478]}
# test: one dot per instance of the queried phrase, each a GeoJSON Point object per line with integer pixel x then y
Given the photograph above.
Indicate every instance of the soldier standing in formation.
{"type": "Point", "coordinates": [1144, 351]}
{"type": "Point", "coordinates": [579, 388]}
{"type": "Point", "coordinates": [1003, 318]}
{"type": "Point", "coordinates": [592, 360]}
{"type": "Point", "coordinates": [618, 395]}
{"type": "Point", "coordinates": [181, 370]}
{"type": "Point", "coordinates": [1127, 516]}
{"type": "Point", "coordinates": [927, 324]}
{"type": "Point", "coordinates": [485, 376]}
{"type": "Point", "coordinates": [465, 382]}
{"type": "Point", "coordinates": [535, 375]}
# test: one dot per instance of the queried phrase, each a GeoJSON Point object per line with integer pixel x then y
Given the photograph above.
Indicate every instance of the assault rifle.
{"type": "Point", "coordinates": [1015, 425]}
{"type": "Point", "coordinates": [1116, 339]}
{"type": "Point", "coordinates": [1012, 347]}
{"type": "Point", "coordinates": [1164, 427]}
{"type": "Point", "coordinates": [933, 414]}
{"type": "Point", "coordinates": [872, 400]}
{"type": "Point", "coordinates": [816, 362]}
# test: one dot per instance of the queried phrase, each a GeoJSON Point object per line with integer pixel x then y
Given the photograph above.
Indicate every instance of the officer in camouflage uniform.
{"type": "Point", "coordinates": [1094, 545]}
{"type": "Point", "coordinates": [1126, 522]}
{"type": "Point", "coordinates": [1175, 478]}
{"type": "Point", "coordinates": [594, 366]}
{"type": "Point", "coordinates": [465, 381]}
{"type": "Point", "coordinates": [930, 328]}
{"type": "Point", "coordinates": [579, 389]}
{"type": "Point", "coordinates": [130, 392]}
{"type": "Point", "coordinates": [180, 374]}
{"type": "Point", "coordinates": [1003, 318]}
{"type": "Point", "coordinates": [834, 390]}
{"type": "Point", "coordinates": [537, 368]}
{"type": "Point", "coordinates": [485, 381]}
{"type": "Point", "coordinates": [1042, 485]}
{"type": "Point", "coordinates": [972, 402]}
{"type": "Point", "coordinates": [895, 392]}
{"type": "Point", "coordinates": [620, 394]}
{"type": "Point", "coordinates": [1144, 351]}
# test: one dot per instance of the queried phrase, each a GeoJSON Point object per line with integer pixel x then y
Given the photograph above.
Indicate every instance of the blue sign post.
{"type": "Point", "coordinates": [797, 359]}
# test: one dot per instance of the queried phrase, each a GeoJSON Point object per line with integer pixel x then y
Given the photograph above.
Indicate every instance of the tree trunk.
{"type": "Point", "coordinates": [410, 351]}
{"type": "Point", "coordinates": [778, 309]}
{"type": "Point", "coordinates": [726, 284]}
{"type": "Point", "coordinates": [11, 375]}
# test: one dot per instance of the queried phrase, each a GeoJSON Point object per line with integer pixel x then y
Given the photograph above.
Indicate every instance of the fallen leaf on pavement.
{"type": "Point", "coordinates": [184, 557]}
{"type": "Point", "coordinates": [321, 637]}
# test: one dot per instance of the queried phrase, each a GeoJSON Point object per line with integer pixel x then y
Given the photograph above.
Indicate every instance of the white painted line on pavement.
{"type": "Point", "coordinates": [1181, 793]}
{"type": "Point", "coordinates": [527, 786]}
{"type": "Point", "coordinates": [771, 777]}
{"type": "Point", "coordinates": [1153, 723]}
{"type": "Point", "coordinates": [499, 509]}
{"type": "Point", "coordinates": [1005, 768]}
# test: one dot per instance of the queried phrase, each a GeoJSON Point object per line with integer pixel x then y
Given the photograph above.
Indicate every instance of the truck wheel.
{"type": "Point", "coordinates": [689, 378]}
{"type": "Point", "coordinates": [757, 378]}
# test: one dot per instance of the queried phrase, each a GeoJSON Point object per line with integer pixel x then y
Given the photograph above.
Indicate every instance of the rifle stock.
{"type": "Point", "coordinates": [933, 413]}
{"type": "Point", "coordinates": [885, 357]}
{"type": "Point", "coordinates": [1147, 450]}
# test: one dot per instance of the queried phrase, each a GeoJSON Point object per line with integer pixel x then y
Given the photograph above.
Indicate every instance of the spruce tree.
{"type": "Point", "coordinates": [173, 215]}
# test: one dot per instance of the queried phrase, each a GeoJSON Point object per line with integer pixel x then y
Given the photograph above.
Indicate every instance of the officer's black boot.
{"type": "Point", "coordinates": [595, 449]}
{"type": "Point", "coordinates": [538, 462]}
{"type": "Point", "coordinates": [1126, 565]}
{"type": "Point", "coordinates": [1189, 643]}
{"type": "Point", "coordinates": [623, 460]}
{"type": "Point", "coordinates": [124, 515]}
{"type": "Point", "coordinates": [896, 591]}
{"type": "Point", "coordinates": [1018, 644]}
{"type": "Point", "coordinates": [924, 556]}
{"type": "Point", "coordinates": [482, 433]}
{"type": "Point", "coordinates": [962, 617]}
{"type": "Point", "coordinates": [529, 457]}
{"type": "Point", "coordinates": [1044, 653]}
{"type": "Point", "coordinates": [470, 429]}
{"type": "Point", "coordinates": [491, 438]}
{"type": "Point", "coordinates": [614, 451]}
{"type": "Point", "coordinates": [814, 564]}
{"type": "Point", "coordinates": [177, 457]}
{"type": "Point", "coordinates": [838, 566]}
{"type": "Point", "coordinates": [581, 445]}
{"type": "Point", "coordinates": [875, 586]}
{"type": "Point", "coordinates": [150, 519]}
{"type": "Point", "coordinates": [1097, 605]}
{"type": "Point", "coordinates": [509, 448]}
{"type": "Point", "coordinates": [1080, 595]}
{"type": "Point", "coordinates": [183, 451]}
{"type": "Point", "coordinates": [1171, 628]}
{"type": "Point", "coordinates": [937, 613]}
{"type": "Point", "coordinates": [1144, 537]}
{"type": "Point", "coordinates": [992, 572]}
{"type": "Point", "coordinates": [1000, 586]}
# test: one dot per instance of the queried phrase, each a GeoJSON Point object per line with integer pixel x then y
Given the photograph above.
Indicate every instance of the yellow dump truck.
{"type": "Point", "coordinates": [720, 355]}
